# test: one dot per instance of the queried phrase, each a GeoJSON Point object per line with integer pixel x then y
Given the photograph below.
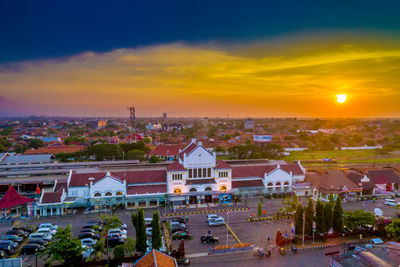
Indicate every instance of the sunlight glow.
{"type": "Point", "coordinates": [341, 98]}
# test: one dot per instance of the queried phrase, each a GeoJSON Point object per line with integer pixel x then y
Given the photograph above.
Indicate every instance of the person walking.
{"type": "Point", "coordinates": [186, 218]}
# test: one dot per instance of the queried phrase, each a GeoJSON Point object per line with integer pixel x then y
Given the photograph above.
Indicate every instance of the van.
{"type": "Point", "coordinates": [390, 202]}
{"type": "Point", "coordinates": [147, 221]}
{"type": "Point", "coordinates": [216, 222]}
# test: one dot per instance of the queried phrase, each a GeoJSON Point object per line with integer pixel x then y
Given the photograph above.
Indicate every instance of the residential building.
{"type": "Point", "coordinates": [249, 124]}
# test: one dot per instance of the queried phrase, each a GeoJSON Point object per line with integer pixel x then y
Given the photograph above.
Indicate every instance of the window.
{"type": "Point", "coordinates": [177, 191]}
{"type": "Point", "coordinates": [278, 186]}
{"type": "Point", "coordinates": [176, 176]}
{"type": "Point", "coordinates": [223, 188]}
{"type": "Point", "coordinates": [119, 193]}
{"type": "Point", "coordinates": [190, 173]}
{"type": "Point", "coordinates": [208, 189]}
{"type": "Point", "coordinates": [205, 172]}
{"type": "Point", "coordinates": [222, 174]}
{"type": "Point", "coordinates": [209, 172]}
{"type": "Point", "coordinates": [194, 173]}
{"type": "Point", "coordinates": [199, 173]}
{"type": "Point", "coordinates": [108, 194]}
{"type": "Point", "coordinates": [270, 186]}
{"type": "Point", "coordinates": [97, 195]}
{"type": "Point", "coordinates": [193, 190]}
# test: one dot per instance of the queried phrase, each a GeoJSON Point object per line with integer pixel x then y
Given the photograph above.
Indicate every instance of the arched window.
{"type": "Point", "coordinates": [193, 189]}
{"type": "Point", "coordinates": [177, 191]}
{"type": "Point", "coordinates": [119, 193]}
{"type": "Point", "coordinates": [278, 186]}
{"type": "Point", "coordinates": [223, 188]}
{"type": "Point", "coordinates": [270, 186]}
{"type": "Point", "coordinates": [108, 194]}
{"type": "Point", "coordinates": [208, 189]}
{"type": "Point", "coordinates": [97, 195]}
{"type": "Point", "coordinates": [286, 183]}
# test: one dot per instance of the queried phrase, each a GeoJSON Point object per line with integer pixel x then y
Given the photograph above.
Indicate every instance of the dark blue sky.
{"type": "Point", "coordinates": [49, 29]}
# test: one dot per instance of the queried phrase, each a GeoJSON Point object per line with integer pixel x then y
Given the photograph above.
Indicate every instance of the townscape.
{"type": "Point", "coordinates": [199, 133]}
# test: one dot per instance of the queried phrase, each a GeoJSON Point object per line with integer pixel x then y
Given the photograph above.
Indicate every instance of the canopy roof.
{"type": "Point", "coordinates": [11, 199]}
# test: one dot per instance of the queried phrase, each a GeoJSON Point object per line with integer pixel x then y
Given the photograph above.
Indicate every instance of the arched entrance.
{"type": "Point", "coordinates": [177, 191]}
{"type": "Point", "coordinates": [389, 187]}
{"type": "Point", "coordinates": [108, 194]}
{"type": "Point", "coordinates": [223, 188]}
{"type": "Point", "coordinates": [192, 199]}
{"type": "Point", "coordinates": [208, 198]}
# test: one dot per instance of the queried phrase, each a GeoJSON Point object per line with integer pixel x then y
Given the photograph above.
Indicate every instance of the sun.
{"type": "Point", "coordinates": [341, 98]}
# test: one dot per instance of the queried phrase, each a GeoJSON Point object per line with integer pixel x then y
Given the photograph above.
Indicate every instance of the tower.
{"type": "Point", "coordinates": [132, 117]}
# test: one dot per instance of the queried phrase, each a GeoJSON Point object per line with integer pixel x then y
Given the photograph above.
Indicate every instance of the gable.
{"type": "Point", "coordinates": [199, 157]}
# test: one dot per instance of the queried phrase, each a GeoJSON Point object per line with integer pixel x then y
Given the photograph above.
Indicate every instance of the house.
{"type": "Point", "coordinates": [154, 258]}
{"type": "Point", "coordinates": [166, 152]}
{"type": "Point", "coordinates": [27, 159]}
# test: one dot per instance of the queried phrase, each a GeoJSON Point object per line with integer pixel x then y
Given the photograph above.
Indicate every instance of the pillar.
{"type": "Point", "coordinates": [51, 211]}
{"type": "Point", "coordinates": [58, 211]}
{"type": "Point", "coordinates": [147, 203]}
{"type": "Point", "coordinates": [62, 210]}
{"type": "Point", "coordinates": [158, 202]}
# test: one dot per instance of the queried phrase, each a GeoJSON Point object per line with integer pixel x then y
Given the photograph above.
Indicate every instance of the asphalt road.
{"type": "Point", "coordinates": [255, 233]}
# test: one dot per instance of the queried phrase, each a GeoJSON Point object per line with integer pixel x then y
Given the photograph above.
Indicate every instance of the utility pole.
{"type": "Point", "coordinates": [304, 226]}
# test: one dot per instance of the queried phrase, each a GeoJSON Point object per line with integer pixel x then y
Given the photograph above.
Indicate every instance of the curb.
{"type": "Point", "coordinates": [269, 218]}
{"type": "Point", "coordinates": [203, 211]}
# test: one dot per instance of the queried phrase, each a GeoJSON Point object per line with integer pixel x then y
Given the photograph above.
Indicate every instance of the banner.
{"type": "Point", "coordinates": [225, 199]}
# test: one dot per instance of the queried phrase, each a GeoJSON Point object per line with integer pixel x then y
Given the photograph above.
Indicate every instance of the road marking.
{"type": "Point", "coordinates": [196, 255]}
{"type": "Point", "coordinates": [233, 233]}
{"type": "Point", "coordinates": [203, 211]}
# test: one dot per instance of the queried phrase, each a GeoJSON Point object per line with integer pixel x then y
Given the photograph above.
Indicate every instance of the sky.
{"type": "Point", "coordinates": [200, 58]}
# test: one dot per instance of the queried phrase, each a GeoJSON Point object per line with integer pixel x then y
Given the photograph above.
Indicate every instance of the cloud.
{"type": "Point", "coordinates": [297, 76]}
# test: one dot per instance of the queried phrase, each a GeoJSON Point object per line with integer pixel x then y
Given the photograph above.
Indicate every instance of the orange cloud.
{"type": "Point", "coordinates": [299, 78]}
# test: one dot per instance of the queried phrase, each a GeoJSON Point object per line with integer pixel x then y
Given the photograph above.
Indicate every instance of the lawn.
{"type": "Point", "coordinates": [343, 156]}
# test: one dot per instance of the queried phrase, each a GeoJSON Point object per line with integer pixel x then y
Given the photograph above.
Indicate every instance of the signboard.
{"type": "Point", "coordinates": [262, 138]}
{"type": "Point", "coordinates": [314, 226]}
{"type": "Point", "coordinates": [225, 199]}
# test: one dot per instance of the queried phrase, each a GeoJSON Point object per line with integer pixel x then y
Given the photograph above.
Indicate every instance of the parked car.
{"type": "Point", "coordinates": [178, 219]}
{"type": "Point", "coordinates": [48, 225]}
{"type": "Point", "coordinates": [87, 230]}
{"type": "Point", "coordinates": [212, 217]}
{"type": "Point", "coordinates": [216, 222]}
{"type": "Point", "coordinates": [177, 224]}
{"type": "Point", "coordinates": [390, 202]}
{"type": "Point", "coordinates": [117, 230]}
{"type": "Point", "coordinates": [20, 233]}
{"type": "Point", "coordinates": [176, 229]}
{"type": "Point", "coordinates": [147, 221]}
{"type": "Point", "coordinates": [88, 235]}
{"type": "Point", "coordinates": [31, 249]}
{"type": "Point", "coordinates": [181, 235]}
{"type": "Point", "coordinates": [123, 226]}
{"type": "Point", "coordinates": [90, 242]}
{"type": "Point", "coordinates": [26, 228]}
{"type": "Point", "coordinates": [13, 244]}
{"type": "Point", "coordinates": [40, 236]}
{"type": "Point", "coordinates": [87, 252]}
{"type": "Point", "coordinates": [209, 239]}
{"type": "Point", "coordinates": [92, 226]}
{"type": "Point", "coordinates": [48, 231]}
{"type": "Point", "coordinates": [97, 222]}
{"type": "Point", "coordinates": [39, 242]}
{"type": "Point", "coordinates": [114, 240]}
{"type": "Point", "coordinates": [7, 248]}
{"type": "Point", "coordinates": [14, 238]}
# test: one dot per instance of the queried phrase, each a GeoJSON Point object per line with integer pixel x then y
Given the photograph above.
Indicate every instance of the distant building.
{"type": "Point", "coordinates": [164, 116]}
{"type": "Point", "coordinates": [172, 126]}
{"type": "Point", "coordinates": [99, 124]}
{"type": "Point", "coordinates": [27, 159]}
{"type": "Point", "coordinates": [166, 152]}
{"type": "Point", "coordinates": [153, 126]}
{"type": "Point", "coordinates": [249, 124]}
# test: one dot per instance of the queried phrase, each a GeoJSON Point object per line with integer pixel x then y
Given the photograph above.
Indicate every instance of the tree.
{"type": "Point", "coordinates": [64, 248]}
{"type": "Point", "coordinates": [338, 216]}
{"type": "Point", "coordinates": [35, 143]}
{"type": "Point", "coordinates": [99, 249]}
{"type": "Point", "coordinates": [135, 154]}
{"type": "Point", "coordinates": [309, 214]}
{"type": "Point", "coordinates": [356, 218]}
{"type": "Point", "coordinates": [139, 224]}
{"type": "Point", "coordinates": [393, 229]}
{"type": "Point", "coordinates": [2, 149]}
{"type": "Point", "coordinates": [129, 246]}
{"type": "Point", "coordinates": [119, 252]}
{"type": "Point", "coordinates": [154, 159]}
{"type": "Point", "coordinates": [259, 209]}
{"type": "Point", "coordinates": [328, 216]}
{"type": "Point", "coordinates": [320, 217]}
{"type": "Point", "coordinates": [299, 220]}
{"type": "Point", "coordinates": [156, 239]}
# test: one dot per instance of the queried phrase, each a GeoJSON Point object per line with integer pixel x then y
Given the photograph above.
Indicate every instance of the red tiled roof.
{"type": "Point", "coordinates": [165, 150]}
{"type": "Point", "coordinates": [11, 199]}
{"type": "Point", "coordinates": [155, 258]}
{"type": "Point", "coordinates": [200, 181]}
{"type": "Point", "coordinates": [222, 165]}
{"type": "Point", "coordinates": [51, 197]}
{"type": "Point", "coordinates": [176, 166]}
{"type": "Point", "coordinates": [60, 185]}
{"type": "Point", "coordinates": [54, 150]}
{"type": "Point", "coordinates": [251, 171]}
{"type": "Point", "coordinates": [131, 190]}
{"type": "Point", "coordinates": [248, 183]}
{"type": "Point", "coordinates": [131, 177]}
{"type": "Point", "coordinates": [294, 168]}
{"type": "Point", "coordinates": [383, 176]}
{"type": "Point", "coordinates": [188, 149]}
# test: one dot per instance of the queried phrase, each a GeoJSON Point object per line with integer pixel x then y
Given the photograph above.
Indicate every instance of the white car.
{"type": "Point", "coordinates": [147, 221]}
{"type": "Point", "coordinates": [212, 217]}
{"type": "Point", "coordinates": [390, 202]}
{"type": "Point", "coordinates": [174, 224]}
{"type": "Point", "coordinates": [216, 222]}
{"type": "Point", "coordinates": [40, 236]}
{"type": "Point", "coordinates": [87, 252]}
{"type": "Point", "coordinates": [89, 242]}
{"type": "Point", "coordinates": [122, 233]}
{"type": "Point", "coordinates": [48, 225]}
{"type": "Point", "coordinates": [149, 231]}
{"type": "Point", "coordinates": [47, 231]}
{"type": "Point", "coordinates": [123, 226]}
